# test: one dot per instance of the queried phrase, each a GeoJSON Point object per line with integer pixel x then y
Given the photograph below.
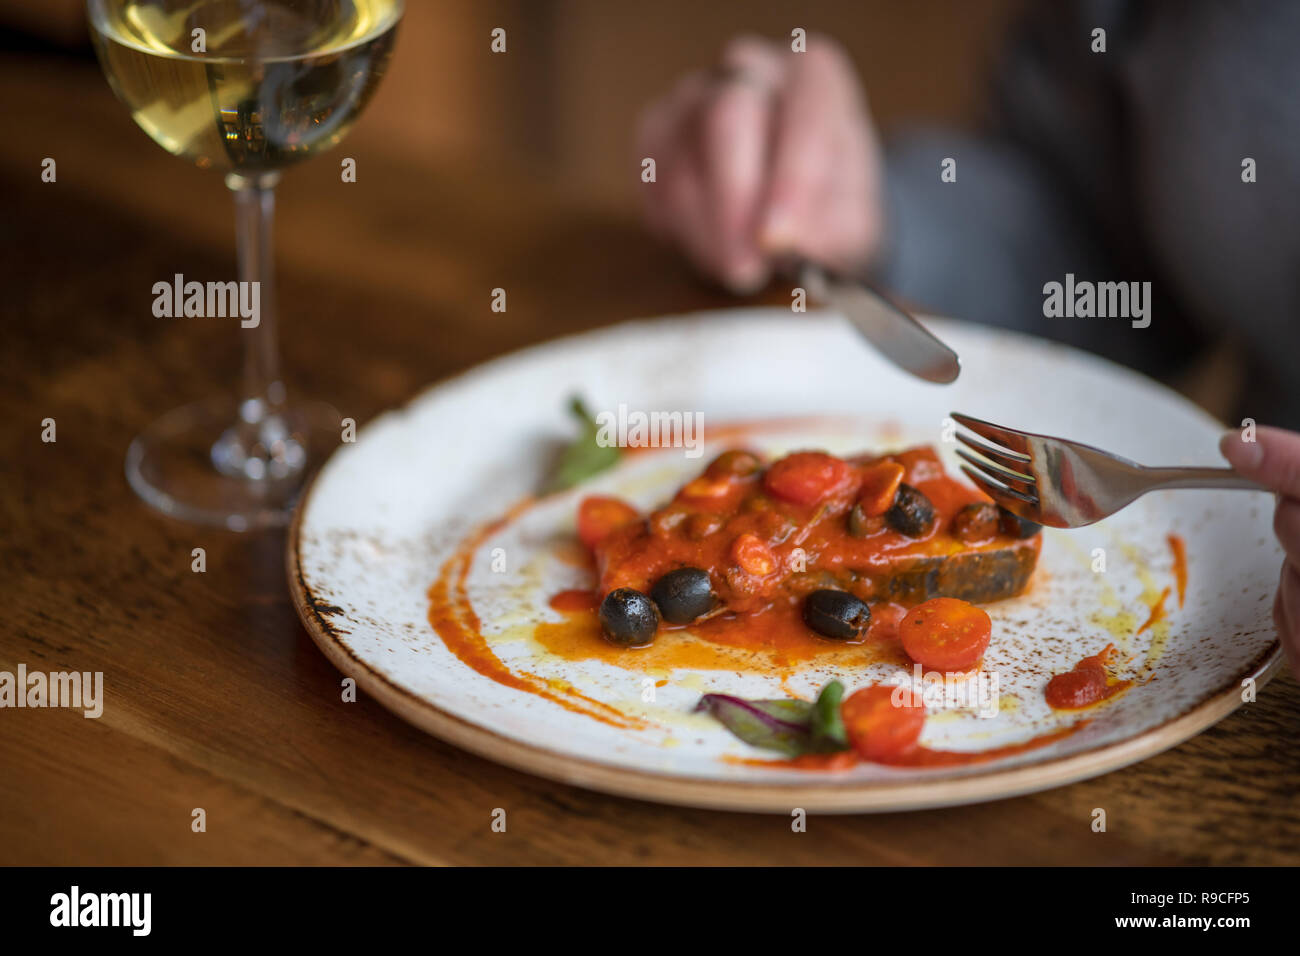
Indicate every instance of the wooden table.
{"type": "Point", "coordinates": [216, 697]}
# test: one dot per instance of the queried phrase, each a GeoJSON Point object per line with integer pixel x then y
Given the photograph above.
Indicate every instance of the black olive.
{"type": "Point", "coordinates": [836, 614]}
{"type": "Point", "coordinates": [683, 595]}
{"type": "Point", "coordinates": [628, 617]}
{"type": "Point", "coordinates": [737, 463]}
{"type": "Point", "coordinates": [976, 522]}
{"type": "Point", "coordinates": [911, 513]}
{"type": "Point", "coordinates": [1016, 526]}
{"type": "Point", "coordinates": [862, 526]}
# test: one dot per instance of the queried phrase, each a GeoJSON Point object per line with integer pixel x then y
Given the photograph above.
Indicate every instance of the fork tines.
{"type": "Point", "coordinates": [1001, 471]}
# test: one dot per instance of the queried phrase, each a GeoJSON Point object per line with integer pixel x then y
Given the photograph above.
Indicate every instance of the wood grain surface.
{"type": "Point", "coordinates": [216, 697]}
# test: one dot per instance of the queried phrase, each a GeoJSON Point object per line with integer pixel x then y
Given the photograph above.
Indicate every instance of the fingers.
{"type": "Point", "coordinates": [1286, 615]}
{"type": "Point", "coordinates": [1286, 607]}
{"type": "Point", "coordinates": [661, 135]}
{"type": "Point", "coordinates": [848, 211]}
{"type": "Point", "coordinates": [772, 153]}
{"type": "Point", "coordinates": [709, 141]}
{"type": "Point", "coordinates": [1286, 525]}
{"type": "Point", "coordinates": [822, 196]}
{"type": "Point", "coordinates": [734, 128]}
{"type": "Point", "coordinates": [1273, 459]}
{"type": "Point", "coordinates": [675, 203]}
{"type": "Point", "coordinates": [802, 146]}
{"type": "Point", "coordinates": [754, 60]}
{"type": "Point", "coordinates": [1280, 618]}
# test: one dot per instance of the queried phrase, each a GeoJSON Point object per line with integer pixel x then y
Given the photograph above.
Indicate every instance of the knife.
{"type": "Point", "coordinates": [886, 325]}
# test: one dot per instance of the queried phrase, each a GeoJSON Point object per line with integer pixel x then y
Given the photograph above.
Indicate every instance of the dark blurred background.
{"type": "Point", "coordinates": [514, 171]}
{"type": "Point", "coordinates": [564, 101]}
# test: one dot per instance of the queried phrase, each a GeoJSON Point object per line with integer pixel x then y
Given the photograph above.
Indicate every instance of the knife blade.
{"type": "Point", "coordinates": [892, 330]}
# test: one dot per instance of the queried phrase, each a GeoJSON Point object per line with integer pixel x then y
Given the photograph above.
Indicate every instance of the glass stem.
{"type": "Point", "coordinates": [259, 445]}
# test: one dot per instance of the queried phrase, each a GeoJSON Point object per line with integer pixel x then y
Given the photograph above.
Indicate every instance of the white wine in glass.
{"type": "Point", "coordinates": [246, 87]}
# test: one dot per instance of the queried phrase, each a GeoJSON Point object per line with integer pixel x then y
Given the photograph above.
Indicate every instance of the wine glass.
{"type": "Point", "coordinates": [246, 87]}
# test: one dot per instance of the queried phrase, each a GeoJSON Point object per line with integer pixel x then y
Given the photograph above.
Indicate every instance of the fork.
{"type": "Point", "coordinates": [1067, 484]}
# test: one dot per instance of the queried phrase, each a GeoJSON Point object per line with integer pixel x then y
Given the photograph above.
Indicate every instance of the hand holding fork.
{"type": "Point", "coordinates": [1066, 484]}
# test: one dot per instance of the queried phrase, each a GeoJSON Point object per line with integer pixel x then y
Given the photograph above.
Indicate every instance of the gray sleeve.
{"type": "Point", "coordinates": [981, 247]}
{"type": "Point", "coordinates": [1037, 193]}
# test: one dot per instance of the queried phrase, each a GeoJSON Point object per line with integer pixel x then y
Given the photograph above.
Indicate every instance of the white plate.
{"type": "Point", "coordinates": [387, 512]}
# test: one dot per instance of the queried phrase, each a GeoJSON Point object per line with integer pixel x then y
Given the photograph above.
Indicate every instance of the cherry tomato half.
{"type": "Point", "coordinates": [753, 555]}
{"type": "Point", "coordinates": [599, 515]}
{"type": "Point", "coordinates": [806, 477]}
{"type": "Point", "coordinates": [883, 722]}
{"type": "Point", "coordinates": [945, 634]}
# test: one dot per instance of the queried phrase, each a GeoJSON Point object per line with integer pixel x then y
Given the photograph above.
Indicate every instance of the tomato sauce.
{"type": "Point", "coordinates": [1157, 611]}
{"type": "Point", "coordinates": [575, 599]}
{"type": "Point", "coordinates": [1179, 549]}
{"type": "Point", "coordinates": [775, 641]}
{"type": "Point", "coordinates": [717, 521]}
{"type": "Point", "coordinates": [1090, 682]}
{"type": "Point", "coordinates": [453, 618]}
{"type": "Point", "coordinates": [916, 757]}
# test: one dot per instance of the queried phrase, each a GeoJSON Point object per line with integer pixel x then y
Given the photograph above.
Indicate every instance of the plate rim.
{"type": "Point", "coordinates": [803, 790]}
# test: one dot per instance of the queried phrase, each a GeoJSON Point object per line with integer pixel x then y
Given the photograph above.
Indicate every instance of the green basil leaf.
{"type": "Point", "coordinates": [793, 727]}
{"type": "Point", "coordinates": [826, 724]}
{"type": "Point", "coordinates": [585, 456]}
{"type": "Point", "coordinates": [781, 725]}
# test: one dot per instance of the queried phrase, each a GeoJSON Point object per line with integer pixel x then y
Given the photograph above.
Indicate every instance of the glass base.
{"type": "Point", "coordinates": [205, 463]}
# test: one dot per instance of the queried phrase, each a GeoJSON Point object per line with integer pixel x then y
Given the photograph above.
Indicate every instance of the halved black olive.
{"type": "Point", "coordinates": [1016, 526]}
{"type": "Point", "coordinates": [628, 618]}
{"type": "Point", "coordinates": [836, 614]}
{"type": "Point", "coordinates": [911, 513]}
{"type": "Point", "coordinates": [683, 595]}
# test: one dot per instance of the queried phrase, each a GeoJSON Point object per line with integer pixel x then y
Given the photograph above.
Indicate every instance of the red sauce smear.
{"type": "Point", "coordinates": [576, 599]}
{"type": "Point", "coordinates": [1089, 683]}
{"type": "Point", "coordinates": [453, 618]}
{"type": "Point", "coordinates": [916, 757]}
{"type": "Point", "coordinates": [1157, 611]}
{"type": "Point", "coordinates": [1179, 548]}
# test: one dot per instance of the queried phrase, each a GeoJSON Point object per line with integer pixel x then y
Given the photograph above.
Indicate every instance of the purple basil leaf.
{"type": "Point", "coordinates": [783, 725]}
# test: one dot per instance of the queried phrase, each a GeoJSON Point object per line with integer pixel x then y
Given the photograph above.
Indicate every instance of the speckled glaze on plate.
{"type": "Point", "coordinates": [386, 512]}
